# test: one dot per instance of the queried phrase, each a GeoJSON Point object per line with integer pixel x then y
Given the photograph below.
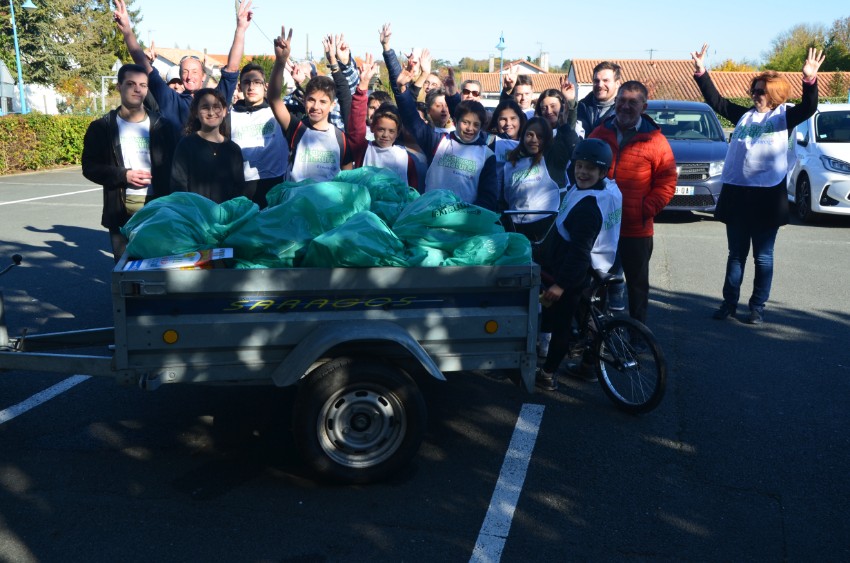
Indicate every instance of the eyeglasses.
{"type": "Point", "coordinates": [248, 83]}
{"type": "Point", "coordinates": [190, 57]}
{"type": "Point", "coordinates": [468, 92]}
{"type": "Point", "coordinates": [758, 92]}
{"type": "Point", "coordinates": [211, 109]}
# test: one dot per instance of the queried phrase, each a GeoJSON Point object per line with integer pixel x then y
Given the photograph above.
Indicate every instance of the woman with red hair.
{"type": "Point", "coordinates": [753, 203]}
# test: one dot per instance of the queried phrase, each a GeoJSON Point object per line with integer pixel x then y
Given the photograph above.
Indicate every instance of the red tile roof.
{"type": "Point", "coordinates": [673, 79]}
{"type": "Point", "coordinates": [490, 80]}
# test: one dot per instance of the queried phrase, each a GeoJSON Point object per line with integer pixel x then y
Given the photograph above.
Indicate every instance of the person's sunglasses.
{"type": "Point", "coordinates": [190, 57]}
{"type": "Point", "coordinates": [758, 92]}
{"type": "Point", "coordinates": [468, 92]}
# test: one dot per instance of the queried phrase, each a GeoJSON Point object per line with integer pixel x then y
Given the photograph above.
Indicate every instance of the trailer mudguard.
{"type": "Point", "coordinates": [328, 335]}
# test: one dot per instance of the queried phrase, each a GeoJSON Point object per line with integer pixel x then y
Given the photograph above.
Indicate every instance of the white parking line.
{"type": "Point", "coordinates": [497, 522]}
{"type": "Point", "coordinates": [15, 410]}
{"type": "Point", "coordinates": [50, 196]}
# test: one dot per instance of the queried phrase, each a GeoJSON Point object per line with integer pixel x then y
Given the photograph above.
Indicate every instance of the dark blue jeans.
{"type": "Point", "coordinates": [739, 239]}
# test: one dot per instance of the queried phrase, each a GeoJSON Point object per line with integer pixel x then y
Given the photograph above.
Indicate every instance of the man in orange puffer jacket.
{"type": "Point", "coordinates": [645, 171]}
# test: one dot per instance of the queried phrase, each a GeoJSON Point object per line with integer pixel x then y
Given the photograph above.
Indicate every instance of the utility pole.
{"type": "Point", "coordinates": [650, 51]}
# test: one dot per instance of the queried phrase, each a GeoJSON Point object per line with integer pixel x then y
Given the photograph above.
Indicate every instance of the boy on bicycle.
{"type": "Point", "coordinates": [588, 230]}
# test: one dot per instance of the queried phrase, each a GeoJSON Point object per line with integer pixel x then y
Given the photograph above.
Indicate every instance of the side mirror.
{"type": "Point", "coordinates": [801, 139]}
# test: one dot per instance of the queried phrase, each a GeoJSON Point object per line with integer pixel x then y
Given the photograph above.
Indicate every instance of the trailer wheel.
{"type": "Point", "coordinates": [358, 421]}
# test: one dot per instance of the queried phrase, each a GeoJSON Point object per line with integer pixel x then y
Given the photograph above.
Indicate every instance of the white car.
{"type": "Point", "coordinates": [820, 179]}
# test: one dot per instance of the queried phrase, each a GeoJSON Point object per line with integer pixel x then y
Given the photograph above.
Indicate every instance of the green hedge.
{"type": "Point", "coordinates": [36, 141]}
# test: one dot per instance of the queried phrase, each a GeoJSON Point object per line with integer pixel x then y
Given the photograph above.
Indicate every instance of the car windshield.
{"type": "Point", "coordinates": [833, 127]}
{"type": "Point", "coordinates": [687, 124]}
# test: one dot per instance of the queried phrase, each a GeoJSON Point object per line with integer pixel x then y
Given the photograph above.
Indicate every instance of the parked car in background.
{"type": "Point", "coordinates": [820, 179]}
{"type": "Point", "coordinates": [699, 146]}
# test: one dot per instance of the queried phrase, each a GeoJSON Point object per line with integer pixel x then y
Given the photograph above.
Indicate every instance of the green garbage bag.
{"type": "Point", "coordinates": [276, 193]}
{"type": "Point", "coordinates": [275, 238]}
{"type": "Point", "coordinates": [439, 219]}
{"type": "Point", "coordinates": [361, 242]}
{"type": "Point", "coordinates": [492, 250]}
{"type": "Point", "coordinates": [183, 222]}
{"type": "Point", "coordinates": [389, 193]}
{"type": "Point", "coordinates": [322, 206]}
{"type": "Point", "coordinates": [425, 256]}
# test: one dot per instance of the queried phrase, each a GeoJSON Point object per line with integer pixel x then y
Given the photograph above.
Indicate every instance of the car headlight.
{"type": "Point", "coordinates": [835, 165]}
{"type": "Point", "coordinates": [715, 168]}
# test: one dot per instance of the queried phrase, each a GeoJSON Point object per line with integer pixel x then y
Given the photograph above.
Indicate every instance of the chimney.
{"type": "Point", "coordinates": [491, 64]}
{"type": "Point", "coordinates": [544, 61]}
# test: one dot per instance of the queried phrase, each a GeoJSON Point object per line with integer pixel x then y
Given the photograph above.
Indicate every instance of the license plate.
{"type": "Point", "coordinates": [684, 190]}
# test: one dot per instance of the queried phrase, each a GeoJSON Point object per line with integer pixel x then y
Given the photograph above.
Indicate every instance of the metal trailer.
{"type": "Point", "coordinates": [353, 339]}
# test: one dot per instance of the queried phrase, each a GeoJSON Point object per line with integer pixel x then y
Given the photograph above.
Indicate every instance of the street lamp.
{"type": "Point", "coordinates": [27, 5]}
{"type": "Point", "coordinates": [501, 48]}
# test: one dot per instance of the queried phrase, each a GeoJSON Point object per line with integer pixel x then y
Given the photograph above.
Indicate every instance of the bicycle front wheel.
{"type": "Point", "coordinates": [631, 366]}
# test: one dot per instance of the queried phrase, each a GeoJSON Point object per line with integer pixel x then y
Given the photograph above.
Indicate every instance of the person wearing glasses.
{"type": "Point", "coordinates": [174, 106]}
{"type": "Point", "coordinates": [206, 161]}
{"type": "Point", "coordinates": [753, 202]}
{"type": "Point", "coordinates": [254, 127]}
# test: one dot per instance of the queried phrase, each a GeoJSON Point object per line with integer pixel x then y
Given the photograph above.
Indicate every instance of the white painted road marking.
{"type": "Point", "coordinates": [50, 196]}
{"type": "Point", "coordinates": [15, 410]}
{"type": "Point", "coordinates": [500, 514]}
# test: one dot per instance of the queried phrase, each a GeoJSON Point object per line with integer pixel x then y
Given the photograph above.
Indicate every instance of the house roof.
{"type": "Point", "coordinates": [490, 80]}
{"type": "Point", "coordinates": [173, 56]}
{"type": "Point", "coordinates": [529, 65]}
{"type": "Point", "coordinates": [673, 79]}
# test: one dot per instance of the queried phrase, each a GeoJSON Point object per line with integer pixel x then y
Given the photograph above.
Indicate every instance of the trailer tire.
{"type": "Point", "coordinates": [358, 421]}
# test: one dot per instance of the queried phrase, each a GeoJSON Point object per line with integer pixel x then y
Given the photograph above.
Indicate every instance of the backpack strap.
{"type": "Point", "coordinates": [296, 138]}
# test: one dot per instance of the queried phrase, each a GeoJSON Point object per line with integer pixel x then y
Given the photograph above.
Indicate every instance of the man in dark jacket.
{"type": "Point", "coordinates": [599, 104]}
{"type": "Point", "coordinates": [128, 151]}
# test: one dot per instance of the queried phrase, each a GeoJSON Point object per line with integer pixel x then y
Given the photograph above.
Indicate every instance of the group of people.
{"type": "Point", "coordinates": [599, 167]}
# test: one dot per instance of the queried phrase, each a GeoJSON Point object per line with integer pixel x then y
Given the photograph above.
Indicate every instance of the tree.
{"type": "Point", "coordinates": [736, 66]}
{"type": "Point", "coordinates": [790, 49]}
{"type": "Point", "coordinates": [64, 39]}
{"type": "Point", "coordinates": [837, 49]}
{"type": "Point", "coordinates": [838, 86]}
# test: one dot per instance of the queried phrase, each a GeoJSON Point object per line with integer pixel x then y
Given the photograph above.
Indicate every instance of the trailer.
{"type": "Point", "coordinates": [354, 341]}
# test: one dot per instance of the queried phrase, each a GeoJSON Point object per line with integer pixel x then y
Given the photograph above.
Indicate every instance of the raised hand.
{"type": "Point", "coordinates": [244, 15]}
{"type": "Point", "coordinates": [404, 78]}
{"type": "Point", "coordinates": [699, 59]}
{"type": "Point", "coordinates": [567, 88]}
{"type": "Point", "coordinates": [425, 62]}
{"type": "Point", "coordinates": [122, 17]}
{"type": "Point", "coordinates": [510, 78]}
{"type": "Point", "coordinates": [413, 63]}
{"type": "Point", "coordinates": [297, 73]}
{"type": "Point", "coordinates": [449, 82]}
{"type": "Point", "coordinates": [150, 52]}
{"type": "Point", "coordinates": [367, 71]}
{"type": "Point", "coordinates": [329, 44]}
{"type": "Point", "coordinates": [385, 34]}
{"type": "Point", "coordinates": [813, 62]}
{"type": "Point", "coordinates": [283, 45]}
{"type": "Point", "coordinates": [343, 53]}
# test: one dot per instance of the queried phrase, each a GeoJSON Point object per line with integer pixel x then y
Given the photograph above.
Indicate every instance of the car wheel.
{"type": "Point", "coordinates": [804, 200]}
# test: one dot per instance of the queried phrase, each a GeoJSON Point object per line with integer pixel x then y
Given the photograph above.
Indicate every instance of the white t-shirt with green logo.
{"type": "Point", "coordinates": [135, 139]}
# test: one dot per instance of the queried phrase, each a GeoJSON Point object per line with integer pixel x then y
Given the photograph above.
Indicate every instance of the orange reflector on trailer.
{"type": "Point", "coordinates": [490, 327]}
{"type": "Point", "coordinates": [170, 336]}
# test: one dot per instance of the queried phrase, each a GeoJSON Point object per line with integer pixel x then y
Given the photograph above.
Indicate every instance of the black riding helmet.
{"type": "Point", "coordinates": [594, 150]}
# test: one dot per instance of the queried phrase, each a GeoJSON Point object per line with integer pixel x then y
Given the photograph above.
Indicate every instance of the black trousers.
{"type": "Point", "coordinates": [634, 255]}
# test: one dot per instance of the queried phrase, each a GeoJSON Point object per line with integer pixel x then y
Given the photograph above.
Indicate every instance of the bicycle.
{"type": "Point", "coordinates": [628, 360]}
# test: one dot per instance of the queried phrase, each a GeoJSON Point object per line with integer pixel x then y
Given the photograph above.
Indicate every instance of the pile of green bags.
{"type": "Point", "coordinates": [363, 218]}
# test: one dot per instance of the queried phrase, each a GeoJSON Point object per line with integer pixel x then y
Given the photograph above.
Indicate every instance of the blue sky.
{"type": "Point", "coordinates": [564, 29]}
